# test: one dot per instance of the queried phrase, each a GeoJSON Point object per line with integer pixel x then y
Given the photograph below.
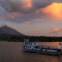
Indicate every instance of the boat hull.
{"type": "Point", "coordinates": [44, 51]}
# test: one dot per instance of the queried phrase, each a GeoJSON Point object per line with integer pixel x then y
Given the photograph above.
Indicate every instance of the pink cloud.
{"type": "Point", "coordinates": [28, 22]}
{"type": "Point", "coordinates": [55, 29]}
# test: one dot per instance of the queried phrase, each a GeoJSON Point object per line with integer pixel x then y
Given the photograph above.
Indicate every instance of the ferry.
{"type": "Point", "coordinates": [29, 46]}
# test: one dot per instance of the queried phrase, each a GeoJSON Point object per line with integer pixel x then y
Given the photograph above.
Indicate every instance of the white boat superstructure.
{"type": "Point", "coordinates": [29, 45]}
{"type": "Point", "coordinates": [34, 47]}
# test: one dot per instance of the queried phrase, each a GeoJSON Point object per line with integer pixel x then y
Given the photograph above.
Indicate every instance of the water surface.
{"type": "Point", "coordinates": [13, 52]}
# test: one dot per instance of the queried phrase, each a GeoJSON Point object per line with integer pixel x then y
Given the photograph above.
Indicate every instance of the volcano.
{"type": "Point", "coordinates": [6, 30]}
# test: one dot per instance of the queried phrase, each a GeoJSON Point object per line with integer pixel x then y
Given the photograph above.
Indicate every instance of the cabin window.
{"type": "Point", "coordinates": [29, 46]}
{"type": "Point", "coordinates": [36, 46]}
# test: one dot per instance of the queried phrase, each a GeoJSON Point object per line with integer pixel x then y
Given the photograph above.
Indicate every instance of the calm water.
{"type": "Point", "coordinates": [12, 52]}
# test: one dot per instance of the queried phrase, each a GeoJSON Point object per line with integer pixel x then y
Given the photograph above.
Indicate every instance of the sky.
{"type": "Point", "coordinates": [32, 17]}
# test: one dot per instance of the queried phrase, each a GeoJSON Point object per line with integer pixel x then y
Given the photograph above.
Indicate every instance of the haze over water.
{"type": "Point", "coordinates": [13, 52]}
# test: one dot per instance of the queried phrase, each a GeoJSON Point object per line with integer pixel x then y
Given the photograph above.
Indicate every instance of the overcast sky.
{"type": "Point", "coordinates": [32, 17]}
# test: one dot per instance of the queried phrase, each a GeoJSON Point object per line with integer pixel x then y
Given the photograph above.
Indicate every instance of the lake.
{"type": "Point", "coordinates": [13, 52]}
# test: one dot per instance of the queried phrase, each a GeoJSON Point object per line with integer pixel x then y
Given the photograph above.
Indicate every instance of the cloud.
{"type": "Point", "coordinates": [55, 29]}
{"type": "Point", "coordinates": [27, 10]}
{"type": "Point", "coordinates": [19, 10]}
{"type": "Point", "coordinates": [54, 10]}
{"type": "Point", "coordinates": [24, 6]}
{"type": "Point", "coordinates": [28, 22]}
{"type": "Point", "coordinates": [3, 12]}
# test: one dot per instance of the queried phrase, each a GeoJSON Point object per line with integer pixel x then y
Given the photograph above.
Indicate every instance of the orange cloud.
{"type": "Point", "coordinates": [55, 10]}
{"type": "Point", "coordinates": [27, 3]}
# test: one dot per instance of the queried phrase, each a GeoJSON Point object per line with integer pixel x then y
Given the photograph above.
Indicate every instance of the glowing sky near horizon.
{"type": "Point", "coordinates": [55, 10]}
{"type": "Point", "coordinates": [32, 17]}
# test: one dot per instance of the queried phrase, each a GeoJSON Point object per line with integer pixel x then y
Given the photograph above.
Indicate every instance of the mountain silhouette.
{"type": "Point", "coordinates": [5, 30]}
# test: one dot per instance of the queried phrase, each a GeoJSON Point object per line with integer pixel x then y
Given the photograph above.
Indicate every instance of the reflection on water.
{"type": "Point", "coordinates": [12, 52]}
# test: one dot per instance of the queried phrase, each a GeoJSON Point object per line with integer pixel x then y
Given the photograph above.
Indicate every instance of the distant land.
{"type": "Point", "coordinates": [6, 30]}
{"type": "Point", "coordinates": [9, 34]}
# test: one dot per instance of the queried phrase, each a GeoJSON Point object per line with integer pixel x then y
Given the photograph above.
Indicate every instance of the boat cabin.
{"type": "Point", "coordinates": [30, 45]}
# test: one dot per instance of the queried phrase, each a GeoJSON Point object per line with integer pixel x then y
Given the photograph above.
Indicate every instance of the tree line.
{"type": "Point", "coordinates": [12, 38]}
{"type": "Point", "coordinates": [45, 39]}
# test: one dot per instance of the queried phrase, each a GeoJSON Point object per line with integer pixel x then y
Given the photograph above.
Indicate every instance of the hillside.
{"type": "Point", "coordinates": [6, 30]}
